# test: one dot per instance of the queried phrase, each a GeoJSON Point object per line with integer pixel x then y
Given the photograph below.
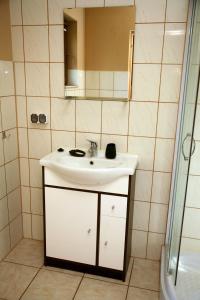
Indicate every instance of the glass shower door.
{"type": "Point", "coordinates": [186, 143]}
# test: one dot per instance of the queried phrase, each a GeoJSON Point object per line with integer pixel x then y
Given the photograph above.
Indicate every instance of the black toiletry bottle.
{"type": "Point", "coordinates": [110, 151]}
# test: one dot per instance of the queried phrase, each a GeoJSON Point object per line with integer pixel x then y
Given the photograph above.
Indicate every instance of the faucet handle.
{"type": "Point", "coordinates": [92, 143]}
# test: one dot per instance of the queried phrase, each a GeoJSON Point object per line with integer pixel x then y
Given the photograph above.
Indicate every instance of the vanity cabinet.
{"type": "Point", "coordinates": [87, 230]}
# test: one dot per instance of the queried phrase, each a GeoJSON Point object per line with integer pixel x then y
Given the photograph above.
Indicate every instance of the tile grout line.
{"type": "Point", "coordinates": [27, 117]}
{"type": "Point", "coordinates": [78, 287]}
{"type": "Point", "coordinates": [154, 157]}
{"type": "Point", "coordinates": [29, 284]}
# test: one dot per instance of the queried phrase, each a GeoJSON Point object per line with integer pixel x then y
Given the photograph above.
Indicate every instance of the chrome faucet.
{"type": "Point", "coordinates": [92, 151]}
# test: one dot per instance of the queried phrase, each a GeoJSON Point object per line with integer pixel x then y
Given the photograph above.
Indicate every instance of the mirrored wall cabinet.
{"type": "Point", "coordinates": [98, 52]}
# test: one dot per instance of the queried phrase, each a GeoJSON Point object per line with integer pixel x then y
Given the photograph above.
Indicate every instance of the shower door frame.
{"type": "Point", "coordinates": [178, 143]}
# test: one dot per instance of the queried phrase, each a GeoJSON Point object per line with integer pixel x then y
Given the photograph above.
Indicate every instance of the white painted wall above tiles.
{"type": "Point", "coordinates": [144, 126]}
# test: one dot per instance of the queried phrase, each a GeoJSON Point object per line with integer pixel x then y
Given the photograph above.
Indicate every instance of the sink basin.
{"type": "Point", "coordinates": [90, 170]}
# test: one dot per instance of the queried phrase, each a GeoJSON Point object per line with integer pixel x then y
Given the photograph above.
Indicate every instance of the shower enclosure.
{"type": "Point", "coordinates": [180, 274]}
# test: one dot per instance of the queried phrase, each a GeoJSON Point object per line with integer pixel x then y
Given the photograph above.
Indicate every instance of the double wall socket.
{"type": "Point", "coordinates": [41, 118]}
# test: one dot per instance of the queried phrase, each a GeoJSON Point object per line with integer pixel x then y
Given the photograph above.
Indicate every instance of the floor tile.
{"type": "Point", "coordinates": [91, 289]}
{"type": "Point", "coordinates": [65, 271]}
{"type": "Point", "coordinates": [145, 274]}
{"type": "Point", "coordinates": [14, 279]}
{"type": "Point", "coordinates": [52, 285]}
{"type": "Point", "coordinates": [140, 294]}
{"type": "Point", "coordinates": [27, 252]}
{"type": "Point", "coordinates": [126, 282]}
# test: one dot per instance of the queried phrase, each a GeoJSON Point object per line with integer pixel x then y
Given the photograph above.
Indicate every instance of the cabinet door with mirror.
{"type": "Point", "coordinates": [98, 52]}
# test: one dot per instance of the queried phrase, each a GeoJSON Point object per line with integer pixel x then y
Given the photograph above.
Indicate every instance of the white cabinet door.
{"type": "Point", "coordinates": [112, 239]}
{"type": "Point", "coordinates": [71, 225]}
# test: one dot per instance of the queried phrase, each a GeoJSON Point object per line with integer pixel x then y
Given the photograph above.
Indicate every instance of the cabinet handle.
{"type": "Point", "coordinates": [89, 230]}
{"type": "Point", "coordinates": [113, 207]}
{"type": "Point", "coordinates": [106, 243]}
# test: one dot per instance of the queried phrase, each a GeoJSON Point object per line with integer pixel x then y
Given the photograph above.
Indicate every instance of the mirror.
{"type": "Point", "coordinates": [98, 52]}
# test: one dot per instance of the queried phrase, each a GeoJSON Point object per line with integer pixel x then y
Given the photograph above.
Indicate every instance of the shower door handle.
{"type": "Point", "coordinates": [193, 146]}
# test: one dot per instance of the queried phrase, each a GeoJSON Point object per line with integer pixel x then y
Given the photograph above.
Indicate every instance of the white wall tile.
{"type": "Point", "coordinates": [19, 79]}
{"type": "Point", "coordinates": [36, 43]}
{"type": "Point", "coordinates": [83, 137]}
{"type": "Point", "coordinates": [158, 218]}
{"type": "Point", "coordinates": [161, 187]}
{"type": "Point", "coordinates": [193, 192]}
{"type": "Point", "coordinates": [141, 215]}
{"type": "Point", "coordinates": [1, 150]}
{"type": "Point", "coordinates": [4, 242]}
{"type": "Point", "coordinates": [164, 155]}
{"type": "Point", "coordinates": [3, 212]}
{"type": "Point", "coordinates": [11, 145]}
{"type": "Point", "coordinates": [170, 83]}
{"type": "Point", "coordinates": [148, 43]}
{"type": "Point", "coordinates": [23, 142]}
{"type": "Point", "coordinates": [139, 243]}
{"type": "Point", "coordinates": [143, 118]}
{"type": "Point", "coordinates": [197, 124]}
{"type": "Point", "coordinates": [14, 204]}
{"type": "Point", "coordinates": [37, 79]}
{"type": "Point", "coordinates": [26, 200]}
{"type": "Point", "coordinates": [63, 114]}
{"type": "Point", "coordinates": [106, 80]}
{"type": "Point", "coordinates": [119, 94]}
{"type": "Point", "coordinates": [119, 2]}
{"type": "Point", "coordinates": [115, 117]}
{"type": "Point", "coordinates": [34, 12]}
{"type": "Point", "coordinates": [21, 111]}
{"type": "Point", "coordinates": [38, 105]}
{"type": "Point", "coordinates": [89, 3]}
{"type": "Point", "coordinates": [12, 175]}
{"type": "Point", "coordinates": [190, 246]}
{"type": "Point", "coordinates": [39, 143]}
{"type": "Point", "coordinates": [37, 227]}
{"type": "Point", "coordinates": [8, 111]}
{"type": "Point", "coordinates": [177, 11]}
{"type": "Point", "coordinates": [120, 141]}
{"type": "Point", "coordinates": [36, 201]}
{"type": "Point", "coordinates": [88, 116]}
{"type": "Point", "coordinates": [191, 229]}
{"type": "Point", "coordinates": [120, 81]}
{"type": "Point", "coordinates": [35, 173]}
{"type": "Point", "coordinates": [143, 185]}
{"type": "Point", "coordinates": [146, 80]}
{"type": "Point", "coordinates": [2, 182]}
{"type": "Point", "coordinates": [146, 12]}
{"type": "Point", "coordinates": [17, 43]}
{"type": "Point", "coordinates": [167, 119]}
{"type": "Point", "coordinates": [6, 78]}
{"type": "Point", "coordinates": [144, 148]}
{"type": "Point", "coordinates": [57, 79]}
{"type": "Point", "coordinates": [92, 80]}
{"type": "Point", "coordinates": [62, 139]}
{"type": "Point", "coordinates": [174, 43]}
{"type": "Point", "coordinates": [24, 171]}
{"type": "Point", "coordinates": [56, 43]}
{"type": "Point", "coordinates": [16, 231]}
{"type": "Point", "coordinates": [15, 12]}
{"type": "Point", "coordinates": [27, 226]}
{"type": "Point", "coordinates": [195, 161]}
{"type": "Point", "coordinates": [155, 242]}
{"type": "Point", "coordinates": [56, 10]}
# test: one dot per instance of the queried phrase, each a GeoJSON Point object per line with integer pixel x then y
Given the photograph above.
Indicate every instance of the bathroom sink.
{"type": "Point", "coordinates": [90, 170]}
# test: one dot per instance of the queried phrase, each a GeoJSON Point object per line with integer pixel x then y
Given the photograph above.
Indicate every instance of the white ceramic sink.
{"type": "Point", "coordinates": [90, 171]}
